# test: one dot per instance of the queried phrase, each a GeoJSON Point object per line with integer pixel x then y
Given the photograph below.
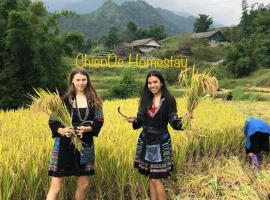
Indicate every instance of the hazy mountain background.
{"type": "Point", "coordinates": [95, 17]}
{"type": "Point", "coordinates": [79, 6]}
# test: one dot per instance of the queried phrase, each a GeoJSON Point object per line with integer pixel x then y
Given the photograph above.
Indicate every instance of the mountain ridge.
{"type": "Point", "coordinates": [112, 14]}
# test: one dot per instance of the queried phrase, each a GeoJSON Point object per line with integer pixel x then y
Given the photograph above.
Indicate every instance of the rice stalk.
{"type": "Point", "coordinates": [196, 85]}
{"type": "Point", "coordinates": [51, 104]}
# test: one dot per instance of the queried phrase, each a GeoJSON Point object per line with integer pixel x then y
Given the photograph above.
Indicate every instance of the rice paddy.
{"type": "Point", "coordinates": [209, 158]}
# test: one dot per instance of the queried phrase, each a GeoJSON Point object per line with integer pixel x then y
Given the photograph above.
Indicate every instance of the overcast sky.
{"type": "Point", "coordinates": [227, 12]}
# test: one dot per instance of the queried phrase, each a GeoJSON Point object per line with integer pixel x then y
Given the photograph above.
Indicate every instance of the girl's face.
{"type": "Point", "coordinates": [80, 82]}
{"type": "Point", "coordinates": [154, 84]}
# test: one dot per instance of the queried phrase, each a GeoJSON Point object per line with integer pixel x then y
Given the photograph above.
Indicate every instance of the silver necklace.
{"type": "Point", "coordinates": [79, 113]}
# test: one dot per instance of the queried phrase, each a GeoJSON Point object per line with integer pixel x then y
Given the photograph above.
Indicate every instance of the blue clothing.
{"type": "Point", "coordinates": [253, 125]}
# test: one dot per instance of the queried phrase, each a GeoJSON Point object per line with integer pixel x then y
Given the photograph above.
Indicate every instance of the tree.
{"type": "Point", "coordinates": [127, 87]}
{"type": "Point", "coordinates": [202, 23]}
{"type": "Point", "coordinates": [130, 33]}
{"type": "Point", "coordinates": [88, 45]}
{"type": "Point", "coordinates": [142, 33]}
{"type": "Point", "coordinates": [242, 58]}
{"type": "Point", "coordinates": [31, 53]}
{"type": "Point", "coordinates": [132, 27]}
{"type": "Point", "coordinates": [254, 28]}
{"type": "Point", "coordinates": [245, 23]}
{"type": "Point", "coordinates": [73, 42]}
{"type": "Point", "coordinates": [112, 39]}
{"type": "Point", "coordinates": [157, 32]}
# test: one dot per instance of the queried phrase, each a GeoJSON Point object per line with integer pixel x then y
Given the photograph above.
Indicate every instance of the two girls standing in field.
{"type": "Point", "coordinates": [153, 156]}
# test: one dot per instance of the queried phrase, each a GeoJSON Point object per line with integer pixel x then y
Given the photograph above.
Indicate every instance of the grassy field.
{"type": "Point", "coordinates": [209, 158]}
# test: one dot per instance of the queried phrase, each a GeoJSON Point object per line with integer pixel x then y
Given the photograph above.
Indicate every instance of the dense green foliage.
{"type": "Point", "coordinates": [202, 23]}
{"type": "Point", "coordinates": [31, 52]}
{"type": "Point", "coordinates": [115, 38]}
{"type": "Point", "coordinates": [112, 38]}
{"type": "Point", "coordinates": [195, 49]}
{"type": "Point", "coordinates": [252, 41]}
{"type": "Point", "coordinates": [242, 58]}
{"type": "Point", "coordinates": [127, 87]}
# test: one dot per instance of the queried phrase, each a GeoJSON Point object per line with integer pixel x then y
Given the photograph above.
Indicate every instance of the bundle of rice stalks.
{"type": "Point", "coordinates": [197, 85]}
{"type": "Point", "coordinates": [51, 104]}
{"type": "Point", "coordinates": [225, 180]}
{"type": "Point", "coordinates": [234, 182]}
{"type": "Point", "coordinates": [201, 186]}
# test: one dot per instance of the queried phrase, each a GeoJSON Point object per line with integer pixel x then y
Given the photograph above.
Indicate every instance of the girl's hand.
{"type": "Point", "coordinates": [82, 129]}
{"type": "Point", "coordinates": [131, 119]}
{"type": "Point", "coordinates": [65, 131]}
{"type": "Point", "coordinates": [189, 115]}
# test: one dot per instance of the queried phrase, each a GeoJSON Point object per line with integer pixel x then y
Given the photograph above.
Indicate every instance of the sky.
{"type": "Point", "coordinates": [226, 12]}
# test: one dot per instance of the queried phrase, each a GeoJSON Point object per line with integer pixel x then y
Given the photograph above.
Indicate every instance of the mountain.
{"type": "Point", "coordinates": [97, 23]}
{"type": "Point", "coordinates": [183, 13]}
{"type": "Point", "coordinates": [144, 15]}
{"type": "Point", "coordinates": [79, 6]}
{"type": "Point", "coordinates": [186, 23]}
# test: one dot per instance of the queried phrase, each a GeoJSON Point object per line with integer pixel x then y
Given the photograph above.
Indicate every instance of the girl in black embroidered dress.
{"type": "Point", "coordinates": [154, 150]}
{"type": "Point", "coordinates": [85, 107]}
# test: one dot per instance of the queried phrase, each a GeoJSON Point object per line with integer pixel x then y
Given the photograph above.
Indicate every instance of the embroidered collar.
{"type": "Point", "coordinates": [153, 111]}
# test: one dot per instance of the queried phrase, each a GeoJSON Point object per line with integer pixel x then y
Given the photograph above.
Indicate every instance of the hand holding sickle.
{"type": "Point", "coordinates": [129, 119]}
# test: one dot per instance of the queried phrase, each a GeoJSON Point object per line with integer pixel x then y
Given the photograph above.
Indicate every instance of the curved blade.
{"type": "Point", "coordinates": [121, 113]}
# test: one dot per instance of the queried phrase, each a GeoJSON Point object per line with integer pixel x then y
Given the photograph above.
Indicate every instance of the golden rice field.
{"type": "Point", "coordinates": [209, 158]}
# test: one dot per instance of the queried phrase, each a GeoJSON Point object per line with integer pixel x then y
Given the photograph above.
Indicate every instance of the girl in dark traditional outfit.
{"type": "Point", "coordinates": [85, 107]}
{"type": "Point", "coordinates": [257, 140]}
{"type": "Point", "coordinates": [154, 150]}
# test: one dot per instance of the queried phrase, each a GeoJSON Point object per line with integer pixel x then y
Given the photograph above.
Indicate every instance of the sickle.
{"type": "Point", "coordinates": [121, 113]}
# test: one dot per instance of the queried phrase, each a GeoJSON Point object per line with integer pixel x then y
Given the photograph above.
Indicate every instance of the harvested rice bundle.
{"type": "Point", "coordinates": [225, 179]}
{"type": "Point", "coordinates": [234, 182]}
{"type": "Point", "coordinates": [196, 86]}
{"type": "Point", "coordinates": [51, 104]}
{"type": "Point", "coordinates": [201, 186]}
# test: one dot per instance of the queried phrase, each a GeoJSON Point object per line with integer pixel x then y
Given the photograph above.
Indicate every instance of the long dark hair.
{"type": "Point", "coordinates": [147, 97]}
{"type": "Point", "coordinates": [89, 90]}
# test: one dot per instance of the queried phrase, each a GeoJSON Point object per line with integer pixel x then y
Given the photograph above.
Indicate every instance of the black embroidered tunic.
{"type": "Point", "coordinates": [154, 150]}
{"type": "Point", "coordinates": [65, 159]}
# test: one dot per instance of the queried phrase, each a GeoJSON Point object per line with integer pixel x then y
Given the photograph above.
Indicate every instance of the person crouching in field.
{"type": "Point", "coordinates": [84, 105]}
{"type": "Point", "coordinates": [257, 140]}
{"type": "Point", "coordinates": [153, 157]}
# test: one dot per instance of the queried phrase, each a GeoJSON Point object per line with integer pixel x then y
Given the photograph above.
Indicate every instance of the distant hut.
{"type": "Point", "coordinates": [144, 45]}
{"type": "Point", "coordinates": [214, 37]}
